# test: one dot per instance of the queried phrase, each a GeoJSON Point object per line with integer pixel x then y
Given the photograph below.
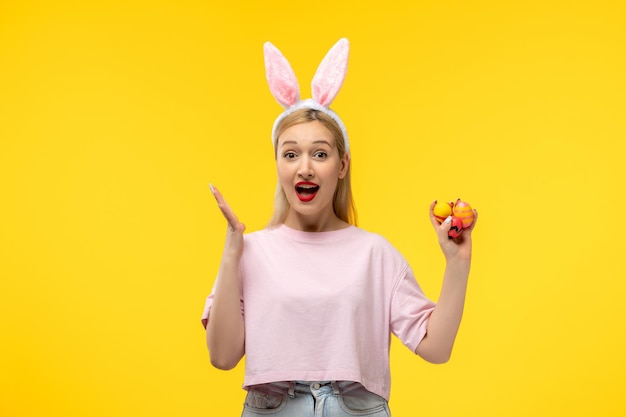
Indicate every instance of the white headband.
{"type": "Point", "coordinates": [326, 83]}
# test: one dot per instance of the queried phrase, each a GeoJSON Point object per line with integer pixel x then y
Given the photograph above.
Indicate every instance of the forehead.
{"type": "Point", "coordinates": [307, 132]}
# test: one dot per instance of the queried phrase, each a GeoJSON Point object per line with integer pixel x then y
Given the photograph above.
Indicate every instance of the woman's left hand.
{"type": "Point", "coordinates": [453, 249]}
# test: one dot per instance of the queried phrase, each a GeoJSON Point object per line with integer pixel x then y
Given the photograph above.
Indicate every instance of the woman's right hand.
{"type": "Point", "coordinates": [234, 235]}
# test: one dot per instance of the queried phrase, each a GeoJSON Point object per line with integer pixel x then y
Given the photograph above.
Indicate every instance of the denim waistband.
{"type": "Point", "coordinates": [310, 387]}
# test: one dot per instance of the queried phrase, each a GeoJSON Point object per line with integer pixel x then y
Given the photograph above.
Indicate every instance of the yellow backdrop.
{"type": "Point", "coordinates": [115, 115]}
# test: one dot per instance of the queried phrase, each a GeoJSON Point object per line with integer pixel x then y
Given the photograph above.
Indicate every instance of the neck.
{"type": "Point", "coordinates": [327, 223]}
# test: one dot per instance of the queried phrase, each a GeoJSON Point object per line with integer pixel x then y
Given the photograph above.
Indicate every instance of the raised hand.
{"type": "Point", "coordinates": [225, 330]}
{"type": "Point", "coordinates": [234, 237]}
{"type": "Point", "coordinates": [444, 321]}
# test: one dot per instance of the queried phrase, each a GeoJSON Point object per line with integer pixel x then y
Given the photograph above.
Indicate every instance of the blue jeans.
{"type": "Point", "coordinates": [313, 399]}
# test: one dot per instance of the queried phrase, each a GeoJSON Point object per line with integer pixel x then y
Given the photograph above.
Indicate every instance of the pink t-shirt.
{"type": "Point", "coordinates": [322, 306]}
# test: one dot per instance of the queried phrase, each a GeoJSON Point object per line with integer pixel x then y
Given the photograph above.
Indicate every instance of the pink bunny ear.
{"type": "Point", "coordinates": [329, 76]}
{"type": "Point", "coordinates": [280, 76]}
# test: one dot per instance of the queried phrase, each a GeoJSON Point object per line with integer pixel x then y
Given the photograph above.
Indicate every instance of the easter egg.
{"type": "Point", "coordinates": [442, 211]}
{"type": "Point", "coordinates": [456, 228]}
{"type": "Point", "coordinates": [463, 211]}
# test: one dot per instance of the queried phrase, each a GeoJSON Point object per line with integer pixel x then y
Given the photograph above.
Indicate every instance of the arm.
{"type": "Point", "coordinates": [444, 322]}
{"type": "Point", "coordinates": [225, 330]}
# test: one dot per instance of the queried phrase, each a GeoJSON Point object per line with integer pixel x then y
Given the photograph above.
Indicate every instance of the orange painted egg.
{"type": "Point", "coordinates": [463, 211]}
{"type": "Point", "coordinates": [442, 211]}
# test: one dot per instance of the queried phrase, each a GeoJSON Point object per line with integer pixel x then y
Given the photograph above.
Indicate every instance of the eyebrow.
{"type": "Point", "coordinates": [293, 142]}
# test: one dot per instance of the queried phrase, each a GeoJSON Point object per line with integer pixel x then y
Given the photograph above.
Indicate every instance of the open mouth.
{"type": "Point", "coordinates": [306, 191]}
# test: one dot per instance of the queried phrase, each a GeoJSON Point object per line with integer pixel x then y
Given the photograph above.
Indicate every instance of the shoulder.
{"type": "Point", "coordinates": [381, 256]}
{"type": "Point", "coordinates": [372, 237]}
{"type": "Point", "coordinates": [260, 236]}
{"type": "Point", "coordinates": [376, 242]}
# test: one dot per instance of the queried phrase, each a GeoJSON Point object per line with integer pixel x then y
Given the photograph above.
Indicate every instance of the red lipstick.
{"type": "Point", "coordinates": [306, 191]}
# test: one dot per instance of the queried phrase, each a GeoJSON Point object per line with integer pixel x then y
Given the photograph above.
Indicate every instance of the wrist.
{"type": "Point", "coordinates": [233, 249]}
{"type": "Point", "coordinates": [458, 265]}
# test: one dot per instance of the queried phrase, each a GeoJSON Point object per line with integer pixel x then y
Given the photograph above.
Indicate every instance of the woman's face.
{"type": "Point", "coordinates": [309, 167]}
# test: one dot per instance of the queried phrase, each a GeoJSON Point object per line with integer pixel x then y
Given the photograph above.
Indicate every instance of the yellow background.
{"type": "Point", "coordinates": [115, 115]}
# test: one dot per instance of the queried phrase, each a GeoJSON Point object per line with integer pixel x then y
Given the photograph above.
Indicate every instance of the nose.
{"type": "Point", "coordinates": [305, 170]}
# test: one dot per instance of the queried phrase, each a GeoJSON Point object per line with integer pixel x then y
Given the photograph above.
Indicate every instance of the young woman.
{"type": "Point", "coordinates": [312, 299]}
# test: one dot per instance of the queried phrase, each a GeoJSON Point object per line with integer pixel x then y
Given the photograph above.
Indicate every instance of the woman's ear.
{"type": "Point", "coordinates": [345, 163]}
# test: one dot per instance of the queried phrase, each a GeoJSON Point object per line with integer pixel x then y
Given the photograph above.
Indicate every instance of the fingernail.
{"type": "Point", "coordinates": [212, 189]}
{"type": "Point", "coordinates": [448, 220]}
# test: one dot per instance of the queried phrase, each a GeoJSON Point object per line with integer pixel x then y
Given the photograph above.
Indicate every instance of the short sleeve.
{"type": "Point", "coordinates": [207, 307]}
{"type": "Point", "coordinates": [410, 310]}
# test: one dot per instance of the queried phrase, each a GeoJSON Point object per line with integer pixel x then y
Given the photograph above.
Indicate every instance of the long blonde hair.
{"type": "Point", "coordinates": [343, 202]}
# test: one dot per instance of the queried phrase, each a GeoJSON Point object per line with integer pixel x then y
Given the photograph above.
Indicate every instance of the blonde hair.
{"type": "Point", "coordinates": [343, 202]}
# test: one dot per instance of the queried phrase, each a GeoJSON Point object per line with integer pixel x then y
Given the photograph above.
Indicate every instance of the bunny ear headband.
{"type": "Point", "coordinates": [326, 83]}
